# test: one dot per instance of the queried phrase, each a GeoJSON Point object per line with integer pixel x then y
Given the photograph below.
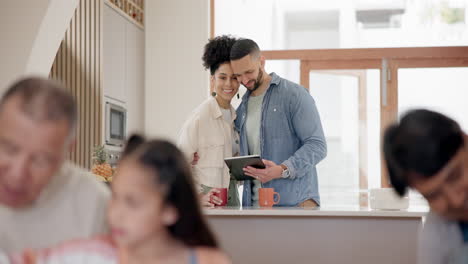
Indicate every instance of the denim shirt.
{"type": "Point", "coordinates": [290, 133]}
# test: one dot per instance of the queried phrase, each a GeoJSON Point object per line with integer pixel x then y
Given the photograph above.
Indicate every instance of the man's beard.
{"type": "Point", "coordinates": [257, 82]}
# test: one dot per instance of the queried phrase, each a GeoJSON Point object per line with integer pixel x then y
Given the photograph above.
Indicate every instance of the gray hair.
{"type": "Point", "coordinates": [43, 100]}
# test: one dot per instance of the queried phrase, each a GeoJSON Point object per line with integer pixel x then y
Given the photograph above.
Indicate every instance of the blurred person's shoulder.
{"type": "Point", "coordinates": [88, 196]}
{"type": "Point", "coordinates": [206, 255]}
{"type": "Point", "coordinates": [437, 226]}
{"type": "Point", "coordinates": [99, 246]}
{"type": "Point", "coordinates": [84, 183]}
{"type": "Point", "coordinates": [437, 239]}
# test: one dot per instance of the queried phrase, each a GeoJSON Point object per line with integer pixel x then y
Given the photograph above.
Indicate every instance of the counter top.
{"type": "Point", "coordinates": [412, 212]}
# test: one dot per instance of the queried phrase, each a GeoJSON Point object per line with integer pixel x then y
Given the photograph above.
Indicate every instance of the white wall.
{"type": "Point", "coordinates": [31, 33]}
{"type": "Point", "coordinates": [51, 33]}
{"type": "Point", "coordinates": [247, 18]}
{"type": "Point", "coordinates": [175, 81]}
{"type": "Point", "coordinates": [20, 21]}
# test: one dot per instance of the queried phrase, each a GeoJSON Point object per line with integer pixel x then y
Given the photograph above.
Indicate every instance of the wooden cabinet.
{"type": "Point", "coordinates": [123, 65]}
{"type": "Point", "coordinates": [114, 59]}
{"type": "Point", "coordinates": [135, 74]}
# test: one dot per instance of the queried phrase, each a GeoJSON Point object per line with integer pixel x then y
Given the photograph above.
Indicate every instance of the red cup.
{"type": "Point", "coordinates": [221, 195]}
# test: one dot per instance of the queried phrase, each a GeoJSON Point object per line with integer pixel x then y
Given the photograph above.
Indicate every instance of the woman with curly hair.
{"type": "Point", "coordinates": [208, 135]}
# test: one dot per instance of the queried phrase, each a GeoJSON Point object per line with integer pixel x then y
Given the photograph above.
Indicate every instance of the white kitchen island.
{"type": "Point", "coordinates": [325, 235]}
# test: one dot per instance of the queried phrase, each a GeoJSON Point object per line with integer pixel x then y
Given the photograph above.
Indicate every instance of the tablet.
{"type": "Point", "coordinates": [236, 164]}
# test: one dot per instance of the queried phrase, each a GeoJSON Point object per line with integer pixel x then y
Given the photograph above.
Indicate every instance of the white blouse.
{"type": "Point", "coordinates": [208, 133]}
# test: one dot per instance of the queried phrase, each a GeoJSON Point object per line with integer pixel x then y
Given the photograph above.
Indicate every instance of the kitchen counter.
{"type": "Point", "coordinates": [322, 211]}
{"type": "Point", "coordinates": [323, 235]}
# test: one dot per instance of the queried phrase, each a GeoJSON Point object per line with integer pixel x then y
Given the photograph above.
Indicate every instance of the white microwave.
{"type": "Point", "coordinates": [116, 124]}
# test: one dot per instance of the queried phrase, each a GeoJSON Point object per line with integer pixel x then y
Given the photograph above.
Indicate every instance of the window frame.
{"type": "Point", "coordinates": [387, 60]}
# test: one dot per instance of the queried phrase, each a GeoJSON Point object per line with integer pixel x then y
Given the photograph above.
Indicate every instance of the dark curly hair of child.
{"type": "Point", "coordinates": [217, 52]}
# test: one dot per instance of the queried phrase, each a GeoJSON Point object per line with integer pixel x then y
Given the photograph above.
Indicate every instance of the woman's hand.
{"type": "Point", "coordinates": [210, 200]}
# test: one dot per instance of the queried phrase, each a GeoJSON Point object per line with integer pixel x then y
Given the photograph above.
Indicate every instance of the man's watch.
{"type": "Point", "coordinates": [285, 173]}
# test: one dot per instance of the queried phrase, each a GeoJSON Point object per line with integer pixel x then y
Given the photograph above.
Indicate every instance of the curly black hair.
{"type": "Point", "coordinates": [217, 52]}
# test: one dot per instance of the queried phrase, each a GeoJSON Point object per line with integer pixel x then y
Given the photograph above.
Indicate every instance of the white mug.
{"type": "Point", "coordinates": [387, 199]}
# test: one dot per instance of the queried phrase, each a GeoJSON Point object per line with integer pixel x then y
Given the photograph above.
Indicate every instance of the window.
{"type": "Point", "coordinates": [305, 24]}
{"type": "Point", "coordinates": [360, 88]}
{"type": "Point", "coordinates": [348, 101]}
{"type": "Point", "coordinates": [444, 90]}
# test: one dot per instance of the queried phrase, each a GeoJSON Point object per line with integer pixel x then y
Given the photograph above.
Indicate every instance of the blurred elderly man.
{"type": "Point", "coordinates": [44, 199]}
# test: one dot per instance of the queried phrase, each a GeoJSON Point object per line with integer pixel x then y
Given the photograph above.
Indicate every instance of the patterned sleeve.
{"type": "Point", "coordinates": [25, 257]}
{"type": "Point", "coordinates": [96, 251]}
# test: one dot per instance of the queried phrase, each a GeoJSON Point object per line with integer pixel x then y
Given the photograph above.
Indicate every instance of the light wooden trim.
{"type": "Point", "coordinates": [80, 98]}
{"type": "Point", "coordinates": [363, 139]}
{"type": "Point", "coordinates": [305, 74]}
{"type": "Point", "coordinates": [388, 112]}
{"type": "Point", "coordinates": [212, 18]}
{"type": "Point", "coordinates": [361, 76]}
{"type": "Point", "coordinates": [78, 65]}
{"type": "Point", "coordinates": [83, 107]}
{"type": "Point", "coordinates": [74, 69]}
{"type": "Point", "coordinates": [98, 92]}
{"type": "Point", "coordinates": [363, 124]}
{"type": "Point", "coordinates": [431, 63]}
{"type": "Point", "coordinates": [343, 64]}
{"type": "Point", "coordinates": [368, 54]}
{"type": "Point", "coordinates": [356, 73]}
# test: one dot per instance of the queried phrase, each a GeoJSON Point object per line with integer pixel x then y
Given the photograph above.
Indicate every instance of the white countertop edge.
{"type": "Point", "coordinates": [290, 212]}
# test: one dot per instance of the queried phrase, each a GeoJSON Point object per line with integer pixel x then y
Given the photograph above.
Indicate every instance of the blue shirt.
{"type": "Point", "coordinates": [464, 231]}
{"type": "Point", "coordinates": [290, 133]}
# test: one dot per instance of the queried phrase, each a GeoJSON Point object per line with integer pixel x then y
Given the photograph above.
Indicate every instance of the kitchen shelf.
{"type": "Point", "coordinates": [131, 9]}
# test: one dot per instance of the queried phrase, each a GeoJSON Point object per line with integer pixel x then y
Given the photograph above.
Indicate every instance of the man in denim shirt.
{"type": "Point", "coordinates": [278, 120]}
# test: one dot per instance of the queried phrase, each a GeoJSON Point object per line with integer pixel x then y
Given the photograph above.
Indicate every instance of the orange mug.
{"type": "Point", "coordinates": [266, 197]}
